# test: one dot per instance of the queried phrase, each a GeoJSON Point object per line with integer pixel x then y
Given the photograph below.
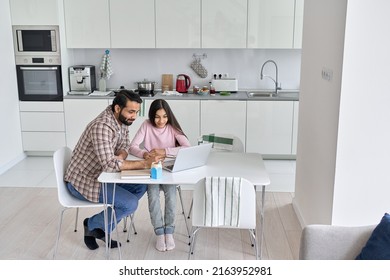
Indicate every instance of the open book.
{"type": "Point", "coordinates": [135, 174]}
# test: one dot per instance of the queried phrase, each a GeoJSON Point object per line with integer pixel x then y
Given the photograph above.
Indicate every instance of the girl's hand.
{"type": "Point", "coordinates": [158, 152]}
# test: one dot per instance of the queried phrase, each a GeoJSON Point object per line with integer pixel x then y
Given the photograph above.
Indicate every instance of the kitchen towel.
{"type": "Point", "coordinates": [222, 201]}
{"type": "Point", "coordinates": [106, 68]}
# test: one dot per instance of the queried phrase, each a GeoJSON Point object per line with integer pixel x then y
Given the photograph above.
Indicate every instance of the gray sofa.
{"type": "Point", "coordinates": [327, 242]}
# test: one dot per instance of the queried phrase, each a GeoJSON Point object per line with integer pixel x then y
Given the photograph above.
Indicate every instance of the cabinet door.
{"type": "Point", "coordinates": [178, 23]}
{"type": "Point", "coordinates": [187, 113]}
{"type": "Point", "coordinates": [27, 12]}
{"type": "Point", "coordinates": [78, 113]}
{"type": "Point", "coordinates": [295, 128]}
{"type": "Point", "coordinates": [132, 24]}
{"type": "Point", "coordinates": [298, 26]}
{"type": "Point", "coordinates": [269, 127]}
{"type": "Point", "coordinates": [224, 23]}
{"type": "Point", "coordinates": [87, 23]}
{"type": "Point", "coordinates": [223, 117]}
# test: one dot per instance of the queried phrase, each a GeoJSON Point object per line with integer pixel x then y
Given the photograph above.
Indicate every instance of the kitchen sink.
{"type": "Point", "coordinates": [284, 94]}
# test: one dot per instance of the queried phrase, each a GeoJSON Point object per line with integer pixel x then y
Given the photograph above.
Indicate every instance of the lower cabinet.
{"type": "Point", "coordinates": [266, 127]}
{"type": "Point", "coordinates": [43, 127]}
{"type": "Point", "coordinates": [224, 117]}
{"type": "Point", "coordinates": [269, 127]}
{"type": "Point", "coordinates": [78, 113]}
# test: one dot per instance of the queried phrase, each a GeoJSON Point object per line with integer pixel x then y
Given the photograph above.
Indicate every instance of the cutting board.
{"type": "Point", "coordinates": [167, 80]}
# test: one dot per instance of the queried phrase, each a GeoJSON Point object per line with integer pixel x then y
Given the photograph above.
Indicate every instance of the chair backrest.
{"type": "Point", "coordinates": [246, 211]}
{"type": "Point", "coordinates": [61, 159]}
{"type": "Point", "coordinates": [223, 142]}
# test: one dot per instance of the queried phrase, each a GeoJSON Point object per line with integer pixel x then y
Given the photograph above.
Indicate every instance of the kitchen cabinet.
{"type": "Point", "coordinates": [269, 127]}
{"type": "Point", "coordinates": [271, 23]}
{"type": "Point", "coordinates": [78, 113]}
{"type": "Point", "coordinates": [87, 23]}
{"type": "Point", "coordinates": [178, 23]}
{"type": "Point", "coordinates": [27, 12]}
{"type": "Point", "coordinates": [43, 126]}
{"type": "Point", "coordinates": [187, 113]}
{"type": "Point", "coordinates": [223, 117]}
{"type": "Point", "coordinates": [126, 17]}
{"type": "Point", "coordinates": [224, 23]}
{"type": "Point", "coordinates": [298, 23]}
{"type": "Point", "coordinates": [295, 128]}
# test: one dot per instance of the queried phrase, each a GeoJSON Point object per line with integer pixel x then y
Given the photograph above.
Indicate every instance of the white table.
{"type": "Point", "coordinates": [228, 164]}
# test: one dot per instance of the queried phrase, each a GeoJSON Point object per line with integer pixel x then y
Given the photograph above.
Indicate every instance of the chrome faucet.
{"type": "Point", "coordinates": [277, 85]}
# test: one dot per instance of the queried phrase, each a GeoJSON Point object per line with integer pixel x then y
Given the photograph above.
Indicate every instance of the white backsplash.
{"type": "Point", "coordinates": [132, 65]}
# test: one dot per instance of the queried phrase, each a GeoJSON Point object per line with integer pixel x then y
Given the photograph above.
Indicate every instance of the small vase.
{"type": "Point", "coordinates": [102, 84]}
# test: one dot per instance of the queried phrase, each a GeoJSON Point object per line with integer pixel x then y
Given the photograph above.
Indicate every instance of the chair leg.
{"type": "Point", "coordinates": [58, 233]}
{"type": "Point", "coordinates": [132, 226]}
{"type": "Point", "coordinates": [183, 212]}
{"type": "Point", "coordinates": [125, 224]}
{"type": "Point", "coordinates": [193, 240]}
{"type": "Point", "coordinates": [77, 218]}
{"type": "Point", "coordinates": [189, 212]}
{"type": "Point", "coordinates": [252, 234]}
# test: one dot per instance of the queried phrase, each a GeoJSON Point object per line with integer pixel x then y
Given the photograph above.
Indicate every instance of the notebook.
{"type": "Point", "coordinates": [135, 174]}
{"type": "Point", "coordinates": [189, 157]}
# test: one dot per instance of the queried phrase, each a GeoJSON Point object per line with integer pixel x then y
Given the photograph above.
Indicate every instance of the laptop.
{"type": "Point", "coordinates": [189, 157]}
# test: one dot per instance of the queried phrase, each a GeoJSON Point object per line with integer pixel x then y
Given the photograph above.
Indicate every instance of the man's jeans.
{"type": "Point", "coordinates": [126, 202]}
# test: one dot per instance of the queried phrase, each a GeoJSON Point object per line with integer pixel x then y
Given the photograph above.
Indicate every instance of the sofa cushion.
{"type": "Point", "coordinates": [378, 245]}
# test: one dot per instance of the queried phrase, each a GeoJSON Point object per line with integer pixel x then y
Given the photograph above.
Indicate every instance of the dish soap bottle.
{"type": "Point", "coordinates": [102, 84]}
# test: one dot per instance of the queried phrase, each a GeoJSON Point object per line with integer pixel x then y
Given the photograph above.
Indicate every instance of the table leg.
{"type": "Point", "coordinates": [262, 220]}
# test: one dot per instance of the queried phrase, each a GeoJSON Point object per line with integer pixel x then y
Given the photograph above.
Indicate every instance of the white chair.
{"type": "Point", "coordinates": [246, 212]}
{"type": "Point", "coordinates": [61, 160]}
{"type": "Point", "coordinates": [237, 146]}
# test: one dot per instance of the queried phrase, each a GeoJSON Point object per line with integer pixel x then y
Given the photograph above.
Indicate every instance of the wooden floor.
{"type": "Point", "coordinates": [29, 220]}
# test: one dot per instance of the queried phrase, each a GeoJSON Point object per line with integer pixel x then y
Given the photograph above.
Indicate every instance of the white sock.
{"type": "Point", "coordinates": [169, 241]}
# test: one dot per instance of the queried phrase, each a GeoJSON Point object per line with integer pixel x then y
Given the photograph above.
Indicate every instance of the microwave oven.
{"type": "Point", "coordinates": [36, 44]}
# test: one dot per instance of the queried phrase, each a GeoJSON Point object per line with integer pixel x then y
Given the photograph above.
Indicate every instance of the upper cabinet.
{"type": "Point", "coordinates": [298, 24]}
{"type": "Point", "coordinates": [181, 23]}
{"type": "Point", "coordinates": [87, 23]}
{"type": "Point", "coordinates": [133, 23]}
{"type": "Point", "coordinates": [27, 12]}
{"type": "Point", "coordinates": [178, 23]}
{"type": "Point", "coordinates": [224, 23]}
{"type": "Point", "coordinates": [270, 23]}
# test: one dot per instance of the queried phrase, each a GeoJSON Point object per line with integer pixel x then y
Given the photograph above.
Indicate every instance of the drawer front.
{"type": "Point", "coordinates": [43, 121]}
{"type": "Point", "coordinates": [41, 106]}
{"type": "Point", "coordinates": [43, 141]}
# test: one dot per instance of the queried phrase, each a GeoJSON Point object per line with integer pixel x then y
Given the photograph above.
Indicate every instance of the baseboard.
{"type": "Point", "coordinates": [12, 163]}
{"type": "Point", "coordinates": [298, 213]}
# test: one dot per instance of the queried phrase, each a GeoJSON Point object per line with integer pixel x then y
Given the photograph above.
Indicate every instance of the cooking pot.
{"type": "Point", "coordinates": [145, 85]}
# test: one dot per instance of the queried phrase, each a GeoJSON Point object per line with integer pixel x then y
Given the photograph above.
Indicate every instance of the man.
{"type": "Point", "coordinates": [103, 147]}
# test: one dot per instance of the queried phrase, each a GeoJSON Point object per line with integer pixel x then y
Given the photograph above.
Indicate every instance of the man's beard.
{"type": "Point", "coordinates": [123, 120]}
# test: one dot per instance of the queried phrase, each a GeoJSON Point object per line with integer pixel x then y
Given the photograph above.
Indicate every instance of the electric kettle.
{"type": "Point", "coordinates": [183, 83]}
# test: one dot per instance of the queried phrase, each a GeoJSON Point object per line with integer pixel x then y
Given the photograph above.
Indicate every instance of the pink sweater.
{"type": "Point", "coordinates": [157, 138]}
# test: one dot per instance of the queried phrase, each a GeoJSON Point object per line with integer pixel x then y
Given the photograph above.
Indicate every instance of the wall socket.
{"type": "Point", "coordinates": [327, 74]}
{"type": "Point", "coordinates": [221, 75]}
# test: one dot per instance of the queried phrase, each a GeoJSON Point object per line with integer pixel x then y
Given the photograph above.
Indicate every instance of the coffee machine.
{"type": "Point", "coordinates": [82, 79]}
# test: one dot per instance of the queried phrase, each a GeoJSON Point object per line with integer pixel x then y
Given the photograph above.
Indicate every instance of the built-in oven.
{"type": "Point", "coordinates": [39, 82]}
{"type": "Point", "coordinates": [38, 62]}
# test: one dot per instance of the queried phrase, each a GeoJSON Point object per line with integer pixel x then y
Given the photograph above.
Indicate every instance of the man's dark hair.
{"type": "Point", "coordinates": [123, 96]}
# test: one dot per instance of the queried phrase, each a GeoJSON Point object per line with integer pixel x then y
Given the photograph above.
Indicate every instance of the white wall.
{"type": "Point", "coordinates": [343, 140]}
{"type": "Point", "coordinates": [10, 141]}
{"type": "Point", "coordinates": [362, 181]}
{"type": "Point", "coordinates": [134, 65]}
